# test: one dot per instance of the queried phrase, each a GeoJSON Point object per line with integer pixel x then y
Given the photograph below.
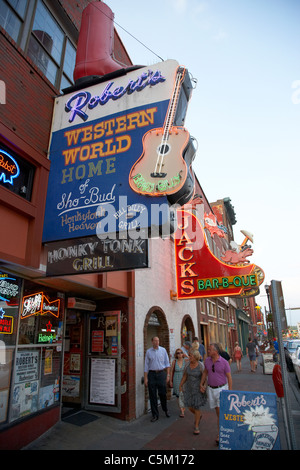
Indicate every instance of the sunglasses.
{"type": "Point", "coordinates": [179, 352]}
{"type": "Point", "coordinates": [213, 368]}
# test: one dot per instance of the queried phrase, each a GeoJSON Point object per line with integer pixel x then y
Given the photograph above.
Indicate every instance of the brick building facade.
{"type": "Point", "coordinates": [59, 324]}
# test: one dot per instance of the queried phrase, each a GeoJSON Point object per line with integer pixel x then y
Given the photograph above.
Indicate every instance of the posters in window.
{"type": "Point", "coordinates": [102, 381]}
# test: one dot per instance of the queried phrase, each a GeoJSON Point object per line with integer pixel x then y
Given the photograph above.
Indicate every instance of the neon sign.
{"type": "Point", "coordinates": [46, 338]}
{"type": "Point", "coordinates": [227, 282]}
{"type": "Point", "coordinates": [199, 273]}
{"type": "Point", "coordinates": [6, 323]}
{"type": "Point", "coordinates": [83, 99]}
{"type": "Point", "coordinates": [96, 138]}
{"type": "Point", "coordinates": [48, 334]}
{"type": "Point", "coordinates": [8, 290]}
{"type": "Point", "coordinates": [39, 304]}
{"type": "Point", "coordinates": [9, 169]}
{"type": "Point", "coordinates": [161, 169]}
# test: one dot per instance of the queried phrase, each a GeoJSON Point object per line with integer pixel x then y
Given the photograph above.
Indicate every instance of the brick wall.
{"type": "Point", "coordinates": [74, 9]}
{"type": "Point", "coordinates": [29, 98]}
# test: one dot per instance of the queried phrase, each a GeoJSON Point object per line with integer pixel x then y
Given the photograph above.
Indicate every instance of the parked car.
{"type": "Point", "coordinates": [292, 346]}
{"type": "Point", "coordinates": [288, 360]}
{"type": "Point", "coordinates": [296, 362]}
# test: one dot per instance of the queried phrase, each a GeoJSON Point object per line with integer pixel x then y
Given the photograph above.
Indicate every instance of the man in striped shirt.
{"type": "Point", "coordinates": [156, 376]}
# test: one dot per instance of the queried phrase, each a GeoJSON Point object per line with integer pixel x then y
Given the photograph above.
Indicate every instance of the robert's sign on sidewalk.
{"type": "Point", "coordinates": [248, 421]}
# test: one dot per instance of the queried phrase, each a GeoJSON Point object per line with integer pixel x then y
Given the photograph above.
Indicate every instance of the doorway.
{"type": "Point", "coordinates": [103, 362]}
{"type": "Point", "coordinates": [156, 325]}
{"type": "Point", "coordinates": [92, 361]}
{"type": "Point", "coordinates": [187, 329]}
{"type": "Point", "coordinates": [204, 336]}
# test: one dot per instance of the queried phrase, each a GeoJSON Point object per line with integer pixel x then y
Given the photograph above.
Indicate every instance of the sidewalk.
{"type": "Point", "coordinates": [166, 434]}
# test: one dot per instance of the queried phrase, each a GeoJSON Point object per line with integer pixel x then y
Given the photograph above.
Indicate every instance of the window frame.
{"type": "Point", "coordinates": [68, 29]}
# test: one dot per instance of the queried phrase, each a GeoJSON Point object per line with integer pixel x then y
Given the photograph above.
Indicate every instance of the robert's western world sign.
{"type": "Point", "coordinates": [96, 138]}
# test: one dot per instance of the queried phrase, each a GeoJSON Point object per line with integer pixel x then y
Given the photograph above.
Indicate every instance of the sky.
{"type": "Point", "coordinates": [244, 112]}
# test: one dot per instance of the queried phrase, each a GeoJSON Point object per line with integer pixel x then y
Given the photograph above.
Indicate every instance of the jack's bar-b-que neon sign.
{"type": "Point", "coordinates": [198, 272]}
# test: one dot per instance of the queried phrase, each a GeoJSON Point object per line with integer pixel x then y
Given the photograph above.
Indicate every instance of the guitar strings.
{"type": "Point", "coordinates": [161, 155]}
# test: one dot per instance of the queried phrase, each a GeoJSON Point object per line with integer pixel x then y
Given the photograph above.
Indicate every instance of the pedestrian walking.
{"type": "Point", "coordinates": [200, 347]}
{"type": "Point", "coordinates": [202, 351]}
{"type": "Point", "coordinates": [195, 344]}
{"type": "Point", "coordinates": [177, 370]}
{"type": "Point", "coordinates": [194, 399]}
{"type": "Point", "coordinates": [237, 355]}
{"type": "Point", "coordinates": [251, 352]}
{"type": "Point", "coordinates": [156, 376]}
{"type": "Point", "coordinates": [276, 346]}
{"type": "Point", "coordinates": [186, 348]}
{"type": "Point", "coordinates": [218, 375]}
{"type": "Point", "coordinates": [224, 353]}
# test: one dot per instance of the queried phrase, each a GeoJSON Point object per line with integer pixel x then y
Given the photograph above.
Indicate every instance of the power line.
{"type": "Point", "coordinates": [134, 37]}
{"type": "Point", "coordinates": [138, 41]}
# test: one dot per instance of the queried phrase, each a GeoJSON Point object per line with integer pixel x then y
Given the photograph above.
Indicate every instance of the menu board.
{"type": "Point", "coordinates": [248, 421]}
{"type": "Point", "coordinates": [102, 381]}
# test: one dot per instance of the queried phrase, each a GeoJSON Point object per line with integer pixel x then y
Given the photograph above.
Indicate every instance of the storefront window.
{"type": "Point", "coordinates": [37, 380]}
{"type": "Point", "coordinates": [40, 317]}
{"type": "Point", "coordinates": [30, 347]}
{"type": "Point", "coordinates": [10, 291]}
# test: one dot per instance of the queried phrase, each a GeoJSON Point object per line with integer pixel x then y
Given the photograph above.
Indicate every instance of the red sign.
{"type": "Point", "coordinates": [6, 325]}
{"type": "Point", "coordinates": [97, 341]}
{"type": "Point", "coordinates": [198, 272]}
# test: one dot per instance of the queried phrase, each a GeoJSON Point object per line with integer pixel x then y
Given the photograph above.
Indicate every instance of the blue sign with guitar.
{"type": "Point", "coordinates": [98, 137]}
{"type": "Point", "coordinates": [248, 421]}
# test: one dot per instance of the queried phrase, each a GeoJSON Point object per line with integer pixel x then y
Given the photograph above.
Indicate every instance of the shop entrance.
{"type": "Point", "coordinates": [156, 325]}
{"type": "Point", "coordinates": [92, 361]}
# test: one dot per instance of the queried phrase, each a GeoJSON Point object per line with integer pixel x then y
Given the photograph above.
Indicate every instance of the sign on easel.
{"type": "Point", "coordinates": [248, 421]}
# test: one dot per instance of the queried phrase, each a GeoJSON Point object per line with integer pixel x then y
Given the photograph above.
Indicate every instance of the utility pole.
{"type": "Point", "coordinates": [279, 314]}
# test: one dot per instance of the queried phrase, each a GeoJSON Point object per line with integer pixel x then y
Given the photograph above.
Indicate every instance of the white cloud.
{"type": "Point", "coordinates": [180, 5]}
{"type": "Point", "coordinates": [220, 36]}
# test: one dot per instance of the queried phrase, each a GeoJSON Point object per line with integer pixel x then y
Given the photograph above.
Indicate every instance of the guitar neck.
{"type": "Point", "coordinates": [173, 104]}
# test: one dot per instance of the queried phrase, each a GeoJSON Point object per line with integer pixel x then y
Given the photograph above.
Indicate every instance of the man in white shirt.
{"type": "Point", "coordinates": [156, 376]}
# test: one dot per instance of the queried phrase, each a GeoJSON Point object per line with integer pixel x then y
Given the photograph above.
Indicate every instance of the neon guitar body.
{"type": "Point", "coordinates": [161, 169]}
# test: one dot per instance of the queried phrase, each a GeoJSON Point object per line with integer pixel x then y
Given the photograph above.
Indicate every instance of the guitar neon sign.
{"type": "Point", "coordinates": [161, 169]}
{"type": "Point", "coordinates": [78, 103]}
